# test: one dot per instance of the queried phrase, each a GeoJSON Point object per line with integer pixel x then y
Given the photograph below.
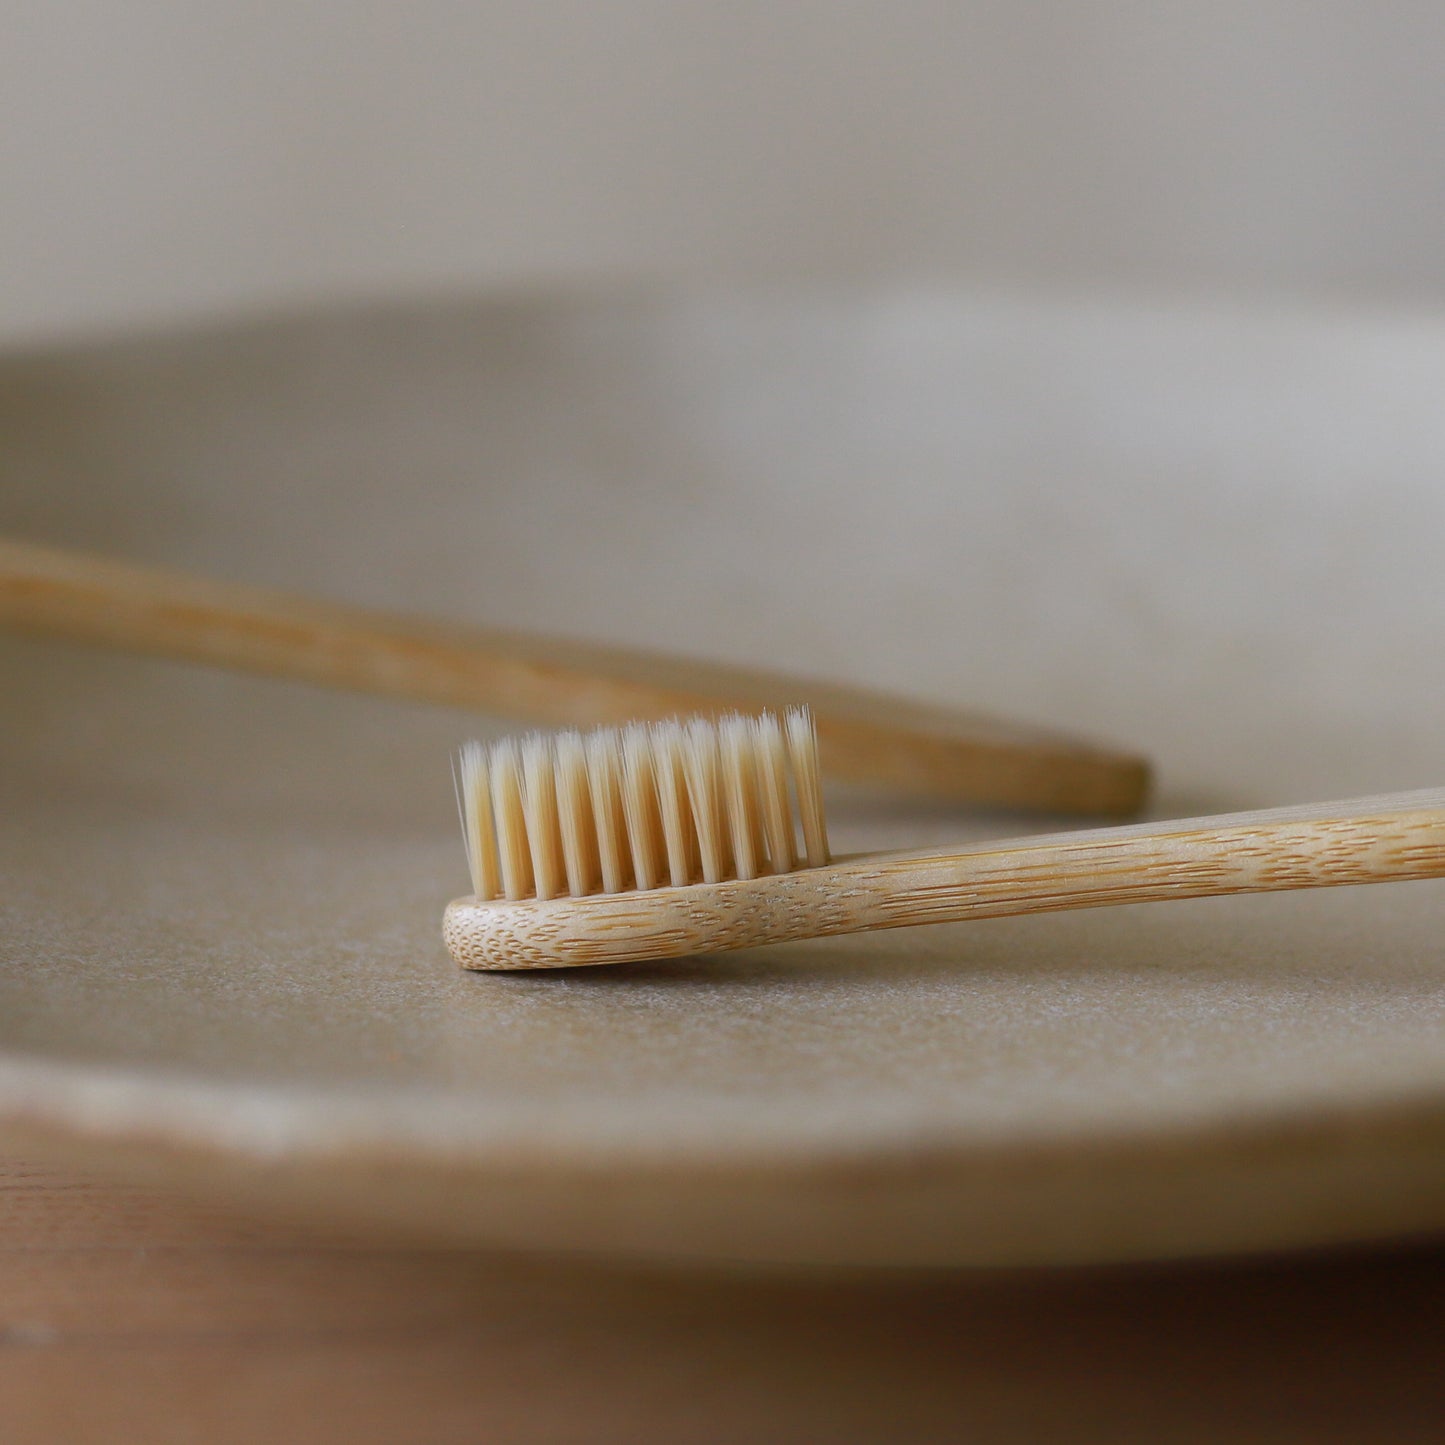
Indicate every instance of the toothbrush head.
{"type": "Point", "coordinates": [676, 807]}
{"type": "Point", "coordinates": [643, 806]}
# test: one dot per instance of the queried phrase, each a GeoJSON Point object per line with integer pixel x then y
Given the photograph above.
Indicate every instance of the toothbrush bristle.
{"type": "Point", "coordinates": [803, 753]}
{"type": "Point", "coordinates": [642, 806]}
{"type": "Point", "coordinates": [509, 817]}
{"type": "Point", "coordinates": [574, 814]}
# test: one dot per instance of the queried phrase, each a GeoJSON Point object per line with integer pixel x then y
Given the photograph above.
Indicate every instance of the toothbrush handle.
{"type": "Point", "coordinates": [1369, 840]}
{"type": "Point", "coordinates": [870, 737]}
{"type": "Point", "coordinates": [1366, 840]}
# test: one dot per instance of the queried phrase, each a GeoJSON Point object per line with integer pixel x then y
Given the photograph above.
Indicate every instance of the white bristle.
{"type": "Point", "coordinates": [539, 808]}
{"type": "Point", "coordinates": [803, 753]}
{"type": "Point", "coordinates": [701, 768]}
{"type": "Point", "coordinates": [740, 792]}
{"type": "Point", "coordinates": [574, 815]}
{"type": "Point", "coordinates": [640, 807]}
{"type": "Point", "coordinates": [507, 811]}
{"type": "Point", "coordinates": [475, 797]}
{"type": "Point", "coordinates": [678, 829]}
{"type": "Point", "coordinates": [771, 753]}
{"type": "Point", "coordinates": [604, 771]}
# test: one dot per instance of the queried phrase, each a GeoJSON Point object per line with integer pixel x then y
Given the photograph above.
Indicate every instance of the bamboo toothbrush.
{"type": "Point", "coordinates": [682, 838]}
{"type": "Point", "coordinates": [870, 737]}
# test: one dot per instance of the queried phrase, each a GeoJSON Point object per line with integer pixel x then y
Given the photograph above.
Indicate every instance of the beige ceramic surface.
{"type": "Point", "coordinates": [1212, 537]}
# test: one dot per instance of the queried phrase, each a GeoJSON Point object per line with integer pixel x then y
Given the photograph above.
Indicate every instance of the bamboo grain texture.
{"type": "Point", "coordinates": [870, 737]}
{"type": "Point", "coordinates": [1370, 840]}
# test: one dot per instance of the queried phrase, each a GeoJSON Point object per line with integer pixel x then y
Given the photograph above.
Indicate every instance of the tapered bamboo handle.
{"type": "Point", "coordinates": [869, 737]}
{"type": "Point", "coordinates": [1368, 840]}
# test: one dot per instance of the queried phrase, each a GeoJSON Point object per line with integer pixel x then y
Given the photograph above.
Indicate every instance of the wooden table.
{"type": "Point", "coordinates": [135, 1315]}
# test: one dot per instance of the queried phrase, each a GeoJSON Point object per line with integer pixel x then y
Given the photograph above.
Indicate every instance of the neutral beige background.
{"type": "Point", "coordinates": [1201, 531]}
{"type": "Point", "coordinates": [1208, 530]}
{"type": "Point", "coordinates": [174, 160]}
